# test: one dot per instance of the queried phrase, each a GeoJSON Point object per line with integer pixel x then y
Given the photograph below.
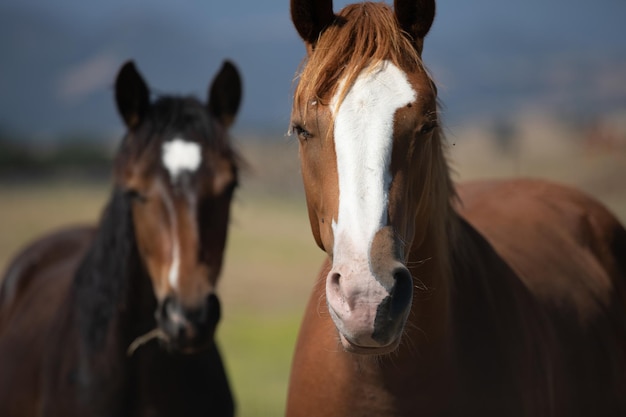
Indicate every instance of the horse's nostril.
{"type": "Point", "coordinates": [391, 312]}
{"type": "Point", "coordinates": [163, 309]}
{"type": "Point", "coordinates": [206, 314]}
{"type": "Point", "coordinates": [334, 286]}
{"type": "Point", "coordinates": [180, 331]}
{"type": "Point", "coordinates": [401, 292]}
{"type": "Point", "coordinates": [188, 327]}
{"type": "Point", "coordinates": [213, 309]}
{"type": "Point", "coordinates": [197, 315]}
{"type": "Point", "coordinates": [335, 279]}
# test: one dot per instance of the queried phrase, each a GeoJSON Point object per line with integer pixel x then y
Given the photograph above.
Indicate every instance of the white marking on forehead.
{"type": "Point", "coordinates": [181, 155]}
{"type": "Point", "coordinates": [363, 143]}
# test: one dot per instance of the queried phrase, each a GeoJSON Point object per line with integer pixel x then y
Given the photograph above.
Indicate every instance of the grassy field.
{"type": "Point", "coordinates": [272, 260]}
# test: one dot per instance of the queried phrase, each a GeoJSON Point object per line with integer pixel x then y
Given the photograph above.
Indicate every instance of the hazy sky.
{"type": "Point", "coordinates": [469, 37]}
{"type": "Point", "coordinates": [569, 17]}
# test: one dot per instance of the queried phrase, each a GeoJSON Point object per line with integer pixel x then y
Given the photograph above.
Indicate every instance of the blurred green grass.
{"type": "Point", "coordinates": [270, 267]}
{"type": "Point", "coordinates": [257, 350]}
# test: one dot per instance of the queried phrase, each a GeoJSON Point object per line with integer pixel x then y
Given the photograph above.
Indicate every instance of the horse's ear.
{"type": "Point", "coordinates": [415, 18]}
{"type": "Point", "coordinates": [311, 17]}
{"type": "Point", "coordinates": [131, 95]}
{"type": "Point", "coordinates": [225, 94]}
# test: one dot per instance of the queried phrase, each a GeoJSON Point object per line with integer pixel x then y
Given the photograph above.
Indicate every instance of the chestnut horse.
{"type": "Point", "coordinates": [504, 298]}
{"type": "Point", "coordinates": [76, 306]}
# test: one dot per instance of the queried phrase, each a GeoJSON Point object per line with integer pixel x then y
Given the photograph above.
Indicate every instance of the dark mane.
{"type": "Point", "coordinates": [103, 276]}
{"type": "Point", "coordinates": [187, 116]}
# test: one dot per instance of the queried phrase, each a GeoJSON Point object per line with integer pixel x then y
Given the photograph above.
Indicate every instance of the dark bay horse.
{"type": "Point", "coordinates": [504, 298]}
{"type": "Point", "coordinates": [76, 306]}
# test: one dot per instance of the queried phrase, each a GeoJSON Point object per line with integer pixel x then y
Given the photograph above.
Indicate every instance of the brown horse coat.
{"type": "Point", "coordinates": [537, 320]}
{"type": "Point", "coordinates": [74, 303]}
{"type": "Point", "coordinates": [516, 297]}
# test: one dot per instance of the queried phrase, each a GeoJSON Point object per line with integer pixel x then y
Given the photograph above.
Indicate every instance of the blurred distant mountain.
{"type": "Point", "coordinates": [491, 59]}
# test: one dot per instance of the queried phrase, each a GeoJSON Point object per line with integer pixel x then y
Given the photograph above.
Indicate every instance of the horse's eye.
{"type": "Point", "coordinates": [135, 195]}
{"type": "Point", "coordinates": [301, 132]}
{"type": "Point", "coordinates": [428, 127]}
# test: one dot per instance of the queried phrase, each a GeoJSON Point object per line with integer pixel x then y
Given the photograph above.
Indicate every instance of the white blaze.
{"type": "Point", "coordinates": [178, 155]}
{"type": "Point", "coordinates": [363, 143]}
{"type": "Point", "coordinates": [181, 155]}
{"type": "Point", "coordinates": [174, 271]}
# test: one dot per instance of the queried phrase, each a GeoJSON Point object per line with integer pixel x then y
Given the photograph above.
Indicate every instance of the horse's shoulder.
{"type": "Point", "coordinates": [53, 250]}
{"type": "Point", "coordinates": [33, 300]}
{"type": "Point", "coordinates": [515, 204]}
{"type": "Point", "coordinates": [562, 243]}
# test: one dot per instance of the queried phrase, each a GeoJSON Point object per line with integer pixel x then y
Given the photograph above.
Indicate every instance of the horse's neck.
{"type": "Point", "coordinates": [485, 290]}
{"type": "Point", "coordinates": [487, 323]}
{"type": "Point", "coordinates": [426, 350]}
{"type": "Point", "coordinates": [430, 374]}
{"type": "Point", "coordinates": [429, 263]}
{"type": "Point", "coordinates": [456, 275]}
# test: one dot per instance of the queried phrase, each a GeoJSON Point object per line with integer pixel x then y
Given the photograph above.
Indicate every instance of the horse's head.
{"type": "Point", "coordinates": [178, 167]}
{"type": "Point", "coordinates": [365, 113]}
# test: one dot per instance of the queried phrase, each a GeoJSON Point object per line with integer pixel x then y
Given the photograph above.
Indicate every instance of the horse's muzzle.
{"type": "Point", "coordinates": [370, 318]}
{"type": "Point", "coordinates": [188, 330]}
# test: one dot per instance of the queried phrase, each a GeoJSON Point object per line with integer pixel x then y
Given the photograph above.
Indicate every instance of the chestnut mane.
{"type": "Point", "coordinates": [362, 36]}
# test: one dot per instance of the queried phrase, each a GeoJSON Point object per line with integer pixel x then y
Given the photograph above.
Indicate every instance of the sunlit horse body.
{"type": "Point", "coordinates": [73, 303]}
{"type": "Point", "coordinates": [491, 299]}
